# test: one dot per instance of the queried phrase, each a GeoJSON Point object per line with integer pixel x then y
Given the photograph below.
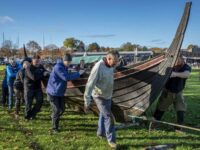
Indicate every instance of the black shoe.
{"type": "Point", "coordinates": [27, 118]}
{"type": "Point", "coordinates": [101, 137]}
{"type": "Point", "coordinates": [55, 130]}
{"type": "Point", "coordinates": [33, 118]}
{"type": "Point", "coordinates": [153, 126]}
{"type": "Point", "coordinates": [158, 114]}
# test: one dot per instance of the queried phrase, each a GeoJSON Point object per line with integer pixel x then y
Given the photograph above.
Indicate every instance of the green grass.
{"type": "Point", "coordinates": [79, 131]}
{"type": "Point", "coordinates": [2, 67]}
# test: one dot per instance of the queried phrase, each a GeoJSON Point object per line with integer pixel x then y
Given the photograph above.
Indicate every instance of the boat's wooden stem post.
{"type": "Point", "coordinates": [152, 120]}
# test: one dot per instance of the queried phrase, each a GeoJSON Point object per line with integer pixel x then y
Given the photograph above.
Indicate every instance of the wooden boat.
{"type": "Point", "coordinates": [136, 86]}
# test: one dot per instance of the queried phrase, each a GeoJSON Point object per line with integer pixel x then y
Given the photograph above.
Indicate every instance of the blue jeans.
{"type": "Point", "coordinates": [106, 120]}
{"type": "Point", "coordinates": [10, 96]}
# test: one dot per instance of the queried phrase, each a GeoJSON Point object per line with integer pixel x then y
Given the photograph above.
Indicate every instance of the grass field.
{"type": "Point", "coordinates": [2, 67]}
{"type": "Point", "coordinates": [79, 131]}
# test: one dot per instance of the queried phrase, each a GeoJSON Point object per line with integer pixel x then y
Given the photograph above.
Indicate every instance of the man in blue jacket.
{"type": "Point", "coordinates": [56, 88]}
{"type": "Point", "coordinates": [11, 71]}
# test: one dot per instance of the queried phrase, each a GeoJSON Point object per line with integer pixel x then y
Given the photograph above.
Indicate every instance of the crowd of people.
{"type": "Point", "coordinates": [24, 80]}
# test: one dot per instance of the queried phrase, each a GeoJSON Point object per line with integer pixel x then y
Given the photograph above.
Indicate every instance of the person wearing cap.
{"type": "Point", "coordinates": [35, 73]}
{"type": "Point", "coordinates": [56, 88]}
{"type": "Point", "coordinates": [173, 92]}
{"type": "Point", "coordinates": [19, 87]}
{"type": "Point", "coordinates": [11, 71]}
{"type": "Point", "coordinates": [99, 87]}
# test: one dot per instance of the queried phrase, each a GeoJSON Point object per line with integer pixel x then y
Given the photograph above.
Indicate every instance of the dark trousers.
{"type": "Point", "coordinates": [4, 95]}
{"type": "Point", "coordinates": [19, 98]}
{"type": "Point", "coordinates": [58, 108]}
{"type": "Point", "coordinates": [29, 95]}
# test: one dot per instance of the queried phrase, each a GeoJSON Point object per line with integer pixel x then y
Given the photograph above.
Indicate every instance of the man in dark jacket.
{"type": "Point", "coordinates": [19, 87]}
{"type": "Point", "coordinates": [57, 86]}
{"type": "Point", "coordinates": [34, 74]}
{"type": "Point", "coordinates": [172, 93]}
{"type": "Point", "coordinates": [11, 71]}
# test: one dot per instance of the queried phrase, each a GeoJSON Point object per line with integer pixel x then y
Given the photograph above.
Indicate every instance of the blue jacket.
{"type": "Point", "coordinates": [11, 73]}
{"type": "Point", "coordinates": [58, 79]}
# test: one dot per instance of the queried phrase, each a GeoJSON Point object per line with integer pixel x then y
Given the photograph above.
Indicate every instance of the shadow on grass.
{"type": "Point", "coordinates": [159, 138]}
{"type": "Point", "coordinates": [78, 129]}
{"type": "Point", "coordinates": [48, 118]}
{"type": "Point", "coordinates": [127, 146]}
{"type": "Point", "coordinates": [83, 125]}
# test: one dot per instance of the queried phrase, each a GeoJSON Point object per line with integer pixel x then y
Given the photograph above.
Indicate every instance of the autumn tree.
{"type": "Point", "coordinates": [81, 46]}
{"type": "Point", "coordinates": [7, 49]}
{"type": "Point", "coordinates": [94, 47]}
{"type": "Point", "coordinates": [69, 43]}
{"type": "Point", "coordinates": [157, 50]}
{"type": "Point", "coordinates": [51, 47]}
{"type": "Point", "coordinates": [74, 44]}
{"type": "Point", "coordinates": [127, 46]}
{"type": "Point", "coordinates": [33, 46]}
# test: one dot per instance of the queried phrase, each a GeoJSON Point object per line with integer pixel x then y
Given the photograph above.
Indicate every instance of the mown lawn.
{"type": "Point", "coordinates": [79, 131]}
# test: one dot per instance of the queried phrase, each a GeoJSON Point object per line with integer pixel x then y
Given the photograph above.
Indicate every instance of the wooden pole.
{"type": "Point", "coordinates": [167, 123]}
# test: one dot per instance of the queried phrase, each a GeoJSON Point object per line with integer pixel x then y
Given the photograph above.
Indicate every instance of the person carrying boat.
{"type": "Point", "coordinates": [19, 87]}
{"type": "Point", "coordinates": [173, 92]}
{"type": "Point", "coordinates": [56, 88]}
{"type": "Point", "coordinates": [4, 92]}
{"type": "Point", "coordinates": [11, 71]}
{"type": "Point", "coordinates": [34, 74]}
{"type": "Point", "coordinates": [100, 88]}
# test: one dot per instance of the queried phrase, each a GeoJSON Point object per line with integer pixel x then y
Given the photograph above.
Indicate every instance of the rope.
{"type": "Point", "coordinates": [163, 122]}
